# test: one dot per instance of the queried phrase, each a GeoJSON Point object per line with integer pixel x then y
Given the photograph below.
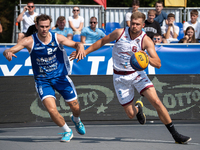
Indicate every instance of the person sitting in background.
{"type": "Point", "coordinates": [170, 31]}
{"type": "Point", "coordinates": [61, 29]}
{"type": "Point", "coordinates": [135, 6]}
{"type": "Point", "coordinates": [189, 36]}
{"type": "Point", "coordinates": [151, 26]}
{"type": "Point", "coordinates": [91, 34]}
{"type": "Point", "coordinates": [27, 18]}
{"type": "Point", "coordinates": [160, 15]}
{"type": "Point", "coordinates": [76, 21]}
{"type": "Point", "coordinates": [194, 23]}
{"type": "Point", "coordinates": [157, 39]}
{"type": "Point", "coordinates": [32, 29]}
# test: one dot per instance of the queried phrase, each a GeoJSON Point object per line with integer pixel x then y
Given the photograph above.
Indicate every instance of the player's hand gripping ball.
{"type": "Point", "coordinates": [139, 61]}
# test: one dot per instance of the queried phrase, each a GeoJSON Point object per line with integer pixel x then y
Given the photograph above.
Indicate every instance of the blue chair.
{"type": "Point", "coordinates": [181, 33]}
{"type": "Point", "coordinates": [102, 30]}
{"type": "Point", "coordinates": [111, 26]}
{"type": "Point", "coordinates": [76, 38]}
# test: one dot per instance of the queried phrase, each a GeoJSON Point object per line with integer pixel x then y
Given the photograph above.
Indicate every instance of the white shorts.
{"type": "Point", "coordinates": [125, 85]}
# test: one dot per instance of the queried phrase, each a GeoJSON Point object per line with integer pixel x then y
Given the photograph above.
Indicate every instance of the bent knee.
{"type": "Point", "coordinates": [157, 103]}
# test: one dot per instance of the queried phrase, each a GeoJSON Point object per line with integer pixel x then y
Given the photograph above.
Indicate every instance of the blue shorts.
{"type": "Point", "coordinates": [63, 85]}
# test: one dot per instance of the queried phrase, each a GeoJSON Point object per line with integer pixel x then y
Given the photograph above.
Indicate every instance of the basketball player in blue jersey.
{"type": "Point", "coordinates": [50, 66]}
{"type": "Point", "coordinates": [126, 79]}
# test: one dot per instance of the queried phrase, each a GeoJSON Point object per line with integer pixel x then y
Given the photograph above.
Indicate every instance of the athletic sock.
{"type": "Point", "coordinates": [66, 128]}
{"type": "Point", "coordinates": [76, 119]}
{"type": "Point", "coordinates": [171, 128]}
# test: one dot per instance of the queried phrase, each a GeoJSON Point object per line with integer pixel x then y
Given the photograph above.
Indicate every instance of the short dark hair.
{"type": "Point", "coordinates": [93, 17]}
{"type": "Point", "coordinates": [61, 18]}
{"type": "Point", "coordinates": [170, 15]}
{"type": "Point", "coordinates": [137, 15]}
{"type": "Point", "coordinates": [157, 34]}
{"type": "Point", "coordinates": [43, 17]}
{"type": "Point", "coordinates": [30, 2]}
{"type": "Point", "coordinates": [194, 12]}
{"type": "Point", "coordinates": [136, 2]}
{"type": "Point", "coordinates": [160, 2]}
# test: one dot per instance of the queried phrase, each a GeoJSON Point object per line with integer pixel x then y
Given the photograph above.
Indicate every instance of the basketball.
{"type": "Point", "coordinates": [139, 61]}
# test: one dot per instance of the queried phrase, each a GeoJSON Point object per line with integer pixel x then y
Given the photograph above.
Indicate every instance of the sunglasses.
{"type": "Point", "coordinates": [75, 10]}
{"type": "Point", "coordinates": [93, 22]}
{"type": "Point", "coordinates": [156, 38]}
{"type": "Point", "coordinates": [31, 6]}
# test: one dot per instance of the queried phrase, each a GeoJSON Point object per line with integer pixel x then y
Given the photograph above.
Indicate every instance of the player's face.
{"type": "Point", "coordinates": [136, 25]}
{"type": "Point", "coordinates": [151, 17]}
{"type": "Point", "coordinates": [43, 28]}
{"type": "Point", "coordinates": [193, 18]}
{"type": "Point", "coordinates": [190, 33]}
{"type": "Point", "coordinates": [159, 7]}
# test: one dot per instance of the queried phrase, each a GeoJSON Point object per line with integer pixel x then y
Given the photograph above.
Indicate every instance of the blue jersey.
{"type": "Point", "coordinates": [49, 60]}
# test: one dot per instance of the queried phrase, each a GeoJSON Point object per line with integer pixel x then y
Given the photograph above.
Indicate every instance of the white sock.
{"type": "Point", "coordinates": [66, 128]}
{"type": "Point", "coordinates": [76, 119]}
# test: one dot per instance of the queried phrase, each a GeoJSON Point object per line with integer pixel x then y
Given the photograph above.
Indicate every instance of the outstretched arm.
{"type": "Point", "coordinates": [107, 39]}
{"type": "Point", "coordinates": [24, 43]}
{"type": "Point", "coordinates": [80, 51]}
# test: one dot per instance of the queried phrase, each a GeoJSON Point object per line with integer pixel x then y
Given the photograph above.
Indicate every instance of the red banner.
{"type": "Point", "coordinates": [101, 2]}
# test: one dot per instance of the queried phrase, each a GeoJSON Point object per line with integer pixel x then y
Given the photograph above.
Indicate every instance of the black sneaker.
{"type": "Point", "coordinates": [181, 139]}
{"type": "Point", "coordinates": [140, 115]}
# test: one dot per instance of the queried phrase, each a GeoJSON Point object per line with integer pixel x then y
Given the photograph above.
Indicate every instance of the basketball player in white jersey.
{"type": "Point", "coordinates": [50, 66]}
{"type": "Point", "coordinates": [125, 78]}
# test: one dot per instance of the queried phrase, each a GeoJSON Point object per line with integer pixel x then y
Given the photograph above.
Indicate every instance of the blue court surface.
{"type": "Point", "coordinates": [100, 135]}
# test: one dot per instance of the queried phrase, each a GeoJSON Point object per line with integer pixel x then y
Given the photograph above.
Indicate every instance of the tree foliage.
{"type": "Point", "coordinates": [7, 8]}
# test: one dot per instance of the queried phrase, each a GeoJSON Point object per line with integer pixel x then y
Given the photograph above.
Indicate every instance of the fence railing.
{"type": "Point", "coordinates": [111, 14]}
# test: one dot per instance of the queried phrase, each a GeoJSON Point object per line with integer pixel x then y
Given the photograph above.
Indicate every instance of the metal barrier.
{"type": "Point", "coordinates": [111, 14]}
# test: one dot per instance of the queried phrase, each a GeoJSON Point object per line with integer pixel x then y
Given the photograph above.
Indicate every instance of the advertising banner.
{"type": "Point", "coordinates": [180, 94]}
{"type": "Point", "coordinates": [175, 59]}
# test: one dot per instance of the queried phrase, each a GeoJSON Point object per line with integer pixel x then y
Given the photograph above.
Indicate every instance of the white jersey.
{"type": "Point", "coordinates": [124, 48]}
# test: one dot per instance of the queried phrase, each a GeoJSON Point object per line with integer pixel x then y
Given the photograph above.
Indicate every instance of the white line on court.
{"type": "Point", "coordinates": [154, 125]}
{"type": "Point", "coordinates": [94, 138]}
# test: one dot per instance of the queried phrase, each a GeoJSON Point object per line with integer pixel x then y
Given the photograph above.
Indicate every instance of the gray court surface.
{"type": "Point", "coordinates": [99, 136]}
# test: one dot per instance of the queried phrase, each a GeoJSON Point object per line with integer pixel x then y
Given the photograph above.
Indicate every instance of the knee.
{"type": "Point", "coordinates": [157, 104]}
{"type": "Point", "coordinates": [52, 111]}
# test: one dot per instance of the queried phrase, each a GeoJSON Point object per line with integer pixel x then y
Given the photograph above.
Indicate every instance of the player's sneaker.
{"type": "Point", "coordinates": [66, 136]}
{"type": "Point", "coordinates": [79, 126]}
{"type": "Point", "coordinates": [140, 115]}
{"type": "Point", "coordinates": [181, 139]}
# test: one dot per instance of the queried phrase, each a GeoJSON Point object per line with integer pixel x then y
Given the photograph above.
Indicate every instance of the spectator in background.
{"type": "Point", "coordinates": [160, 15]}
{"type": "Point", "coordinates": [135, 6]}
{"type": "Point", "coordinates": [194, 23]}
{"type": "Point", "coordinates": [170, 31]}
{"type": "Point", "coordinates": [61, 29]}
{"type": "Point", "coordinates": [157, 39]}
{"type": "Point", "coordinates": [27, 18]}
{"type": "Point", "coordinates": [76, 21]}
{"type": "Point", "coordinates": [1, 29]}
{"type": "Point", "coordinates": [189, 36]}
{"type": "Point", "coordinates": [151, 26]}
{"type": "Point", "coordinates": [91, 34]}
{"type": "Point", "coordinates": [32, 29]}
